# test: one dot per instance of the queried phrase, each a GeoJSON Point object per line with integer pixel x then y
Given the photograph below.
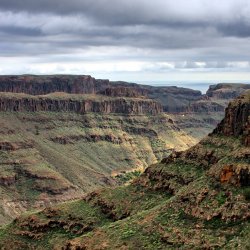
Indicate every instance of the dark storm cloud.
{"type": "Point", "coordinates": [23, 31]}
{"type": "Point", "coordinates": [231, 17]}
{"type": "Point", "coordinates": [182, 32]}
{"type": "Point", "coordinates": [238, 29]}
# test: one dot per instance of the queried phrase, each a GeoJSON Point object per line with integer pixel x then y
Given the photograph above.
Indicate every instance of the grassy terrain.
{"type": "Point", "coordinates": [178, 204]}
{"type": "Point", "coordinates": [57, 156]}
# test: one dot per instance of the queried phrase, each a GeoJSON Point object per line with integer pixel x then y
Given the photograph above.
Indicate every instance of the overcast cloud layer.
{"type": "Point", "coordinates": [131, 40]}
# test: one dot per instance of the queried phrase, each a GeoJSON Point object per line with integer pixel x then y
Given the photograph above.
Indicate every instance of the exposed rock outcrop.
{"type": "Point", "coordinates": [173, 99]}
{"type": "Point", "coordinates": [125, 92]}
{"type": "Point", "coordinates": [226, 90]}
{"type": "Point", "coordinates": [41, 85]}
{"type": "Point", "coordinates": [203, 106]}
{"type": "Point", "coordinates": [236, 121]}
{"type": "Point", "coordinates": [7, 180]}
{"type": "Point", "coordinates": [89, 138]}
{"type": "Point", "coordinates": [12, 146]}
{"type": "Point", "coordinates": [78, 103]}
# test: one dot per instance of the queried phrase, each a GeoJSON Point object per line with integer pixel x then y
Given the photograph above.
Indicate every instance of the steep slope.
{"type": "Point", "coordinates": [58, 147]}
{"type": "Point", "coordinates": [198, 198]}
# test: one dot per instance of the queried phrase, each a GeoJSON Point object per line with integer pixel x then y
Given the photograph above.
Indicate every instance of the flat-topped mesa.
{"type": "Point", "coordinates": [173, 99]}
{"type": "Point", "coordinates": [77, 103]}
{"type": "Point", "coordinates": [237, 119]}
{"type": "Point", "coordinates": [41, 85]}
{"type": "Point", "coordinates": [227, 90]}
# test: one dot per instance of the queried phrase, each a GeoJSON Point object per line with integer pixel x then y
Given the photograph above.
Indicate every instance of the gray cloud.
{"type": "Point", "coordinates": [227, 15]}
{"type": "Point", "coordinates": [179, 33]}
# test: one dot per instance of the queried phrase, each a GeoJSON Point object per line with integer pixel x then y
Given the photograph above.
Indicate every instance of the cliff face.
{"type": "Point", "coordinates": [237, 118]}
{"type": "Point", "coordinates": [226, 91]}
{"type": "Point", "coordinates": [173, 99]}
{"type": "Point", "coordinates": [125, 92]}
{"type": "Point", "coordinates": [78, 103]}
{"type": "Point", "coordinates": [205, 106]}
{"type": "Point", "coordinates": [41, 85]}
{"type": "Point", "coordinates": [224, 154]}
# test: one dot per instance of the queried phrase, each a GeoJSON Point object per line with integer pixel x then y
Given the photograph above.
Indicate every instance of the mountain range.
{"type": "Point", "coordinates": [197, 198]}
{"type": "Point", "coordinates": [64, 136]}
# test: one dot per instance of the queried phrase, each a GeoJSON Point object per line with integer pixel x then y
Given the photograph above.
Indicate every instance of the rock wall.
{"type": "Point", "coordinates": [226, 91]}
{"type": "Point", "coordinates": [237, 118]}
{"type": "Point", "coordinates": [173, 99]}
{"type": "Point", "coordinates": [40, 85]}
{"type": "Point", "coordinates": [109, 105]}
{"type": "Point", "coordinates": [205, 106]}
{"type": "Point", "coordinates": [125, 92]}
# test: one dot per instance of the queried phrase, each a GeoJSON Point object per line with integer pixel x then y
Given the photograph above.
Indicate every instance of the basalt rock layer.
{"type": "Point", "coordinates": [61, 102]}
{"type": "Point", "coordinates": [125, 92]}
{"type": "Point", "coordinates": [41, 85]}
{"type": "Point", "coordinates": [172, 99]}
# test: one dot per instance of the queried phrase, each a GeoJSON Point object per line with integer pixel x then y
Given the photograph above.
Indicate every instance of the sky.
{"type": "Point", "coordinates": [132, 40]}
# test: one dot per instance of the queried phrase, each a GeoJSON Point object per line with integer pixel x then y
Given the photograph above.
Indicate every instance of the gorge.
{"type": "Point", "coordinates": [63, 136]}
{"type": "Point", "coordinates": [193, 198]}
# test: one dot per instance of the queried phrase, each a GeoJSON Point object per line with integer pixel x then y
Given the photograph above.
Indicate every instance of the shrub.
{"type": "Point", "coordinates": [246, 193]}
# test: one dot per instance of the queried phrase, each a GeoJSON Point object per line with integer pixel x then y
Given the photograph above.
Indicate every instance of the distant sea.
{"type": "Point", "coordinates": [202, 86]}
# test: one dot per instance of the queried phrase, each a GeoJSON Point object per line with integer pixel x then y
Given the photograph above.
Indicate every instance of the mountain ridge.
{"type": "Point", "coordinates": [172, 99]}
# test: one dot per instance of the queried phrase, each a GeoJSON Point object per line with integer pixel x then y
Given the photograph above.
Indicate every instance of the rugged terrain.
{"type": "Point", "coordinates": [57, 147]}
{"type": "Point", "coordinates": [173, 99]}
{"type": "Point", "coordinates": [198, 198]}
{"type": "Point", "coordinates": [64, 136]}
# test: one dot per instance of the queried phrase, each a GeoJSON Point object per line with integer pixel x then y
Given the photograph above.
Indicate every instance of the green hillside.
{"type": "Point", "coordinates": [195, 199]}
{"type": "Point", "coordinates": [48, 157]}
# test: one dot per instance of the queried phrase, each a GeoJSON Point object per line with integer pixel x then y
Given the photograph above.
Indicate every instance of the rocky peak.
{"type": "Point", "coordinates": [237, 118]}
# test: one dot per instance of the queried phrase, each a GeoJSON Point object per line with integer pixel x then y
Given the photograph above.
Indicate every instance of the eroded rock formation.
{"type": "Point", "coordinates": [78, 104]}
{"type": "Point", "coordinates": [236, 121]}
{"type": "Point", "coordinates": [226, 90]}
{"type": "Point", "coordinates": [173, 99]}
